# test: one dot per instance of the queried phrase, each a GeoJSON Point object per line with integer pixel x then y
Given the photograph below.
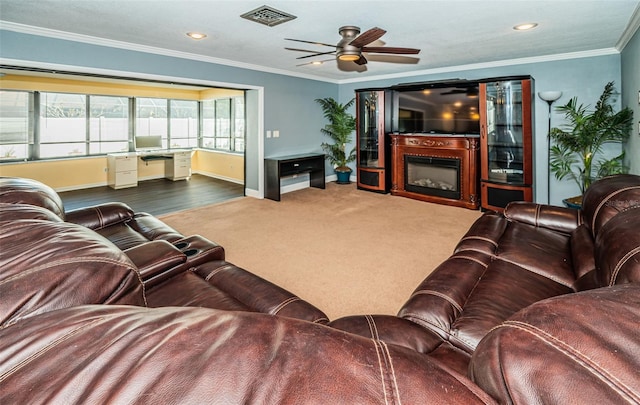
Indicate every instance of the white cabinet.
{"type": "Point", "coordinates": [178, 168]}
{"type": "Point", "coordinates": [122, 170]}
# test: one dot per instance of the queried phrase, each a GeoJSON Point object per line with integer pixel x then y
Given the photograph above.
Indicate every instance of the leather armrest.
{"type": "Point", "coordinates": [155, 257]}
{"type": "Point", "coordinates": [560, 219]}
{"type": "Point", "coordinates": [100, 216]}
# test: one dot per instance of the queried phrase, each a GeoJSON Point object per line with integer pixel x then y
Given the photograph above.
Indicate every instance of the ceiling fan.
{"type": "Point", "coordinates": [352, 45]}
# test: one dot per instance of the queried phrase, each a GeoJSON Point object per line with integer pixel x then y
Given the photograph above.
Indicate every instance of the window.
{"type": "Point", "coordinates": [176, 121]}
{"type": "Point", "coordinates": [16, 124]}
{"type": "Point", "coordinates": [43, 125]}
{"type": "Point", "coordinates": [223, 124]}
{"type": "Point", "coordinates": [66, 130]}
{"type": "Point", "coordinates": [183, 124]}
{"type": "Point", "coordinates": [63, 125]}
{"type": "Point", "coordinates": [109, 124]}
{"type": "Point", "coordinates": [152, 118]}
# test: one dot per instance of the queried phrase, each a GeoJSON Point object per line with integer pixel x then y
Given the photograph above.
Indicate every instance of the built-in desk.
{"type": "Point", "coordinates": [280, 166]}
{"type": "Point", "coordinates": [123, 167]}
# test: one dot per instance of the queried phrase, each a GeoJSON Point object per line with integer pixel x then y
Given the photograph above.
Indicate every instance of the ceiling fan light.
{"type": "Point", "coordinates": [348, 57]}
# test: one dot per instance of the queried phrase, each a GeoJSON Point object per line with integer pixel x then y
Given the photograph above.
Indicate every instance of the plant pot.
{"type": "Point", "coordinates": [343, 177]}
{"type": "Point", "coordinates": [573, 202]}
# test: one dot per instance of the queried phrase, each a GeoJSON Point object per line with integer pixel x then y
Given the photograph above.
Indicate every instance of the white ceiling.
{"type": "Point", "coordinates": [449, 33]}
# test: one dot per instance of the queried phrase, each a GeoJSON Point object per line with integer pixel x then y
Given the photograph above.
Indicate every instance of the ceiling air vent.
{"type": "Point", "coordinates": [268, 16]}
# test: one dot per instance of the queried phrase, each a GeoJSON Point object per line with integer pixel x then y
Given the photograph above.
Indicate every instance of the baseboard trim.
{"type": "Point", "coordinates": [217, 176]}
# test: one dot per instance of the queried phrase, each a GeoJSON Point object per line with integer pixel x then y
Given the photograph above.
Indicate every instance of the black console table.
{"type": "Point", "coordinates": [280, 166]}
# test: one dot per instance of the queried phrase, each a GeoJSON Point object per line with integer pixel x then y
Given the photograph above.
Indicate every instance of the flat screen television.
{"type": "Point", "coordinates": [445, 109]}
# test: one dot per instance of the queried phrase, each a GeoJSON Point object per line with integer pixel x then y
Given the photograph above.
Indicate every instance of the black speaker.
{"type": "Point", "coordinates": [369, 178]}
{"type": "Point", "coordinates": [498, 197]}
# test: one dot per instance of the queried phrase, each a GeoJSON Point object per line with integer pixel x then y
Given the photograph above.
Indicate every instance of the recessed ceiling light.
{"type": "Point", "coordinates": [525, 26]}
{"type": "Point", "coordinates": [317, 62]}
{"type": "Point", "coordinates": [196, 35]}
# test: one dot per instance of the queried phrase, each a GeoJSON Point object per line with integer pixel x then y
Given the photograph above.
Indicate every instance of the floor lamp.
{"type": "Point", "coordinates": [549, 97]}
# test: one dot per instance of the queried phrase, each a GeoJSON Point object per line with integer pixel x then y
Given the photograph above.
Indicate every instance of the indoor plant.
{"type": "Point", "coordinates": [340, 127]}
{"type": "Point", "coordinates": [577, 143]}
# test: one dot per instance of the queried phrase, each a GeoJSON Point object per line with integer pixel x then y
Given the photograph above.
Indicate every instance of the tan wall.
{"type": "Point", "coordinates": [227, 166]}
{"type": "Point", "coordinates": [73, 174]}
{"type": "Point", "coordinates": [64, 174]}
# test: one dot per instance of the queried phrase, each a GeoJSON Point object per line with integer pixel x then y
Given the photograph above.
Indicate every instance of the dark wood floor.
{"type": "Point", "coordinates": [159, 196]}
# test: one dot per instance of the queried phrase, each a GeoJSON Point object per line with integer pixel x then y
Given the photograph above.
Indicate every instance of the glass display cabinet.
{"type": "Point", "coordinates": [506, 146]}
{"type": "Point", "coordinates": [372, 145]}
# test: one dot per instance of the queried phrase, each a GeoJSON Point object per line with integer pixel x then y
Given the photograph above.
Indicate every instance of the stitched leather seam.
{"type": "Point", "coordinates": [473, 259]}
{"type": "Point", "coordinates": [385, 366]}
{"type": "Point", "coordinates": [440, 295]}
{"type": "Point", "coordinates": [494, 243]}
{"type": "Point", "coordinates": [605, 200]}
{"type": "Point", "coordinates": [589, 364]}
{"type": "Point", "coordinates": [52, 345]}
{"type": "Point", "coordinates": [394, 380]}
{"type": "Point", "coordinates": [384, 390]}
{"type": "Point", "coordinates": [372, 327]}
{"type": "Point", "coordinates": [216, 271]}
{"type": "Point", "coordinates": [322, 319]}
{"type": "Point", "coordinates": [284, 304]}
{"type": "Point", "coordinates": [621, 263]}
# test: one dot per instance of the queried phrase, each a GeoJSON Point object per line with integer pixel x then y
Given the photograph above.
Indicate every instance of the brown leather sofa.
{"type": "Point", "coordinates": [541, 305]}
{"type": "Point", "coordinates": [175, 270]}
{"type": "Point", "coordinates": [507, 262]}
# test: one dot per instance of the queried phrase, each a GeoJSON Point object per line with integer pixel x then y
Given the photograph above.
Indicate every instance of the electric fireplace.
{"type": "Point", "coordinates": [440, 169]}
{"type": "Point", "coordinates": [432, 176]}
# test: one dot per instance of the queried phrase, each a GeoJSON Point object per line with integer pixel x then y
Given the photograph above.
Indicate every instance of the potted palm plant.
{"type": "Point", "coordinates": [340, 127]}
{"type": "Point", "coordinates": [578, 145]}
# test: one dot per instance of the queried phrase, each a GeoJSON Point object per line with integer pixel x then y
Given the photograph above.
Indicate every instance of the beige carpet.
{"type": "Point", "coordinates": [345, 250]}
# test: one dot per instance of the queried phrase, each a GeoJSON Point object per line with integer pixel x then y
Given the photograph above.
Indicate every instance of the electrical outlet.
{"type": "Point", "coordinates": [268, 134]}
{"type": "Point", "coordinates": [276, 134]}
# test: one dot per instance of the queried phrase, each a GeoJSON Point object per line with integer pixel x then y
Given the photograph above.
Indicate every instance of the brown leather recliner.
{"type": "Point", "coordinates": [175, 270]}
{"type": "Point", "coordinates": [507, 262]}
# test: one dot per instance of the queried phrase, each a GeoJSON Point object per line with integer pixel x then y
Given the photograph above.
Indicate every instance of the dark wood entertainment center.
{"type": "Point", "coordinates": [463, 150]}
{"type": "Point", "coordinates": [467, 143]}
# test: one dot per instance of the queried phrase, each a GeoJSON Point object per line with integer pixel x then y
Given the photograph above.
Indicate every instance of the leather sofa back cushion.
{"type": "Point", "coordinates": [26, 191]}
{"type": "Point", "coordinates": [13, 212]}
{"type": "Point", "coordinates": [580, 348]}
{"type": "Point", "coordinates": [46, 266]}
{"type": "Point", "coordinates": [127, 355]}
{"type": "Point", "coordinates": [609, 196]}
{"type": "Point", "coordinates": [617, 251]}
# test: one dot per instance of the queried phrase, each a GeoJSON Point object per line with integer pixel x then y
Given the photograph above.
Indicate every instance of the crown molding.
{"type": "Point", "coordinates": [27, 29]}
{"type": "Point", "coordinates": [87, 39]}
{"type": "Point", "coordinates": [493, 64]}
{"type": "Point", "coordinates": [629, 32]}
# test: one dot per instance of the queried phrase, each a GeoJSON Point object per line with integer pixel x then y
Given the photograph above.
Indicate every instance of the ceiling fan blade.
{"type": "Point", "coordinates": [300, 50]}
{"type": "Point", "coordinates": [310, 42]}
{"type": "Point", "coordinates": [388, 58]}
{"type": "Point", "coordinates": [316, 54]}
{"type": "Point", "coordinates": [390, 49]}
{"type": "Point", "coordinates": [361, 61]}
{"type": "Point", "coordinates": [367, 37]}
